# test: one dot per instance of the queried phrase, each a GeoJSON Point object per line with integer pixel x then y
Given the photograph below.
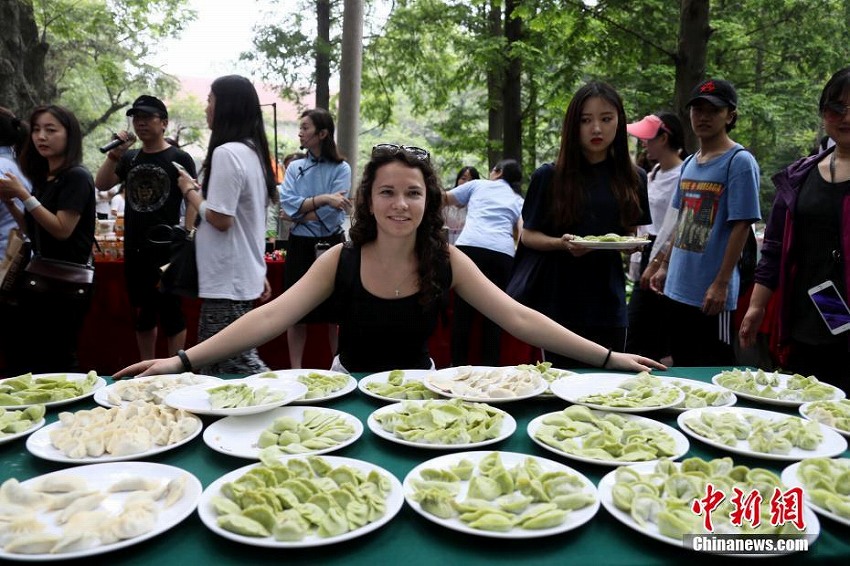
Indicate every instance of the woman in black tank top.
{"type": "Point", "coordinates": [389, 284]}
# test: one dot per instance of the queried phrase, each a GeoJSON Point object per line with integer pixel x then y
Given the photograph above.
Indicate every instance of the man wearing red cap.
{"type": "Point", "coordinates": [152, 198]}
{"type": "Point", "coordinates": [717, 200]}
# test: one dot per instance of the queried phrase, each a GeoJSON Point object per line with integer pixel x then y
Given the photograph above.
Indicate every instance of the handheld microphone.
{"type": "Point", "coordinates": [116, 141]}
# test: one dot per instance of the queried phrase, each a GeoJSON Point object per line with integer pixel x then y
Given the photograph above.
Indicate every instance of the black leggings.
{"type": "Point", "coordinates": [496, 266]}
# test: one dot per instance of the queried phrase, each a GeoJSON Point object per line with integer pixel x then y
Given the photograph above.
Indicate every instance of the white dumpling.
{"type": "Point", "coordinates": [76, 541]}
{"type": "Point", "coordinates": [62, 500]}
{"type": "Point", "coordinates": [33, 543]}
{"type": "Point", "coordinates": [13, 492]}
{"type": "Point", "coordinates": [183, 429]}
{"type": "Point", "coordinates": [61, 483]}
{"type": "Point", "coordinates": [94, 445]}
{"type": "Point", "coordinates": [135, 520]}
{"type": "Point", "coordinates": [24, 525]}
{"type": "Point", "coordinates": [86, 503]}
{"type": "Point", "coordinates": [88, 521]}
{"type": "Point", "coordinates": [174, 491]}
{"type": "Point", "coordinates": [135, 483]}
{"type": "Point", "coordinates": [76, 449]}
{"type": "Point", "coordinates": [9, 511]}
{"type": "Point", "coordinates": [139, 440]}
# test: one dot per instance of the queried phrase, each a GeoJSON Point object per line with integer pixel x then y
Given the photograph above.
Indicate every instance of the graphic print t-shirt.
{"type": "Point", "coordinates": [710, 198]}
{"type": "Point", "coordinates": [151, 193]}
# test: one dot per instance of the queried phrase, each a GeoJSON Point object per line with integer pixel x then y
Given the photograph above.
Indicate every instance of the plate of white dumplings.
{"type": "Point", "coordinates": [92, 509]}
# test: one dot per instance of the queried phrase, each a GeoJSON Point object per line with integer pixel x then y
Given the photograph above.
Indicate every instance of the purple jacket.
{"type": "Point", "coordinates": [776, 268]}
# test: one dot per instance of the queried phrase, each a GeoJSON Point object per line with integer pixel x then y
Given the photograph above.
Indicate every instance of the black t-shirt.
{"type": "Point", "coordinates": [589, 290]}
{"type": "Point", "coordinates": [378, 334]}
{"type": "Point", "coordinates": [71, 190]}
{"type": "Point", "coordinates": [151, 193]}
{"type": "Point", "coordinates": [817, 231]}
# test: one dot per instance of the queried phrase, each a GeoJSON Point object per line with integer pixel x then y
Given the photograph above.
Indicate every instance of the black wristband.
{"type": "Point", "coordinates": [604, 363]}
{"type": "Point", "coordinates": [187, 365]}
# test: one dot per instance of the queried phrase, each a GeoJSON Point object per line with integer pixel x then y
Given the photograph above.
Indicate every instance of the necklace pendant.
{"type": "Point", "coordinates": [396, 292]}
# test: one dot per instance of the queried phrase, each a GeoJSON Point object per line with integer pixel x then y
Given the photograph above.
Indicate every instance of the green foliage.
{"type": "Point", "coordinates": [97, 57]}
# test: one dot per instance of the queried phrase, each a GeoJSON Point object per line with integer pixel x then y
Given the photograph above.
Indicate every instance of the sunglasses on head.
{"type": "Point", "coordinates": [835, 111]}
{"type": "Point", "coordinates": [393, 149]}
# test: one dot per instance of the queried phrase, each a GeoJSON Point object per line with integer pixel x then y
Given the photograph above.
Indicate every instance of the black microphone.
{"type": "Point", "coordinates": [116, 141]}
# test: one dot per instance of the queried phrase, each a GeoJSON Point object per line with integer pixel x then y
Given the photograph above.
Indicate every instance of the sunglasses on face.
{"type": "Point", "coordinates": [835, 111]}
{"type": "Point", "coordinates": [393, 149]}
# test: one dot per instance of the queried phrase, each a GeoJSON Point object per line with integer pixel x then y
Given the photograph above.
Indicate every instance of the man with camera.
{"type": "Point", "coordinates": [153, 198]}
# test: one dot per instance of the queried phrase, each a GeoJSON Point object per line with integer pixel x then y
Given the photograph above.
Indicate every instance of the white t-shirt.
{"type": "Point", "coordinates": [231, 263]}
{"type": "Point", "coordinates": [660, 188]}
{"type": "Point", "coordinates": [492, 211]}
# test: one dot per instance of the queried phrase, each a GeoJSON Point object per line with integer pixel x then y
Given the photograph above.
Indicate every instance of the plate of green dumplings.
{"type": "Point", "coordinates": [761, 434]}
{"type": "Point", "coordinates": [328, 499]}
{"type": "Point", "coordinates": [501, 494]}
{"type": "Point", "coordinates": [826, 485]}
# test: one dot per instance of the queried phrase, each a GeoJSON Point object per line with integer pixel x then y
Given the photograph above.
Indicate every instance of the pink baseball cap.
{"type": "Point", "coordinates": [647, 128]}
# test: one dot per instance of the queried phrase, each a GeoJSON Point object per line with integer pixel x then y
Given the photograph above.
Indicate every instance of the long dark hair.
{"type": "Point", "coordinates": [33, 165]}
{"type": "Point", "coordinates": [322, 120]}
{"type": "Point", "coordinates": [13, 131]}
{"type": "Point", "coordinates": [473, 173]}
{"type": "Point", "coordinates": [675, 132]}
{"type": "Point", "coordinates": [237, 118]}
{"type": "Point", "coordinates": [511, 173]}
{"type": "Point", "coordinates": [572, 168]}
{"type": "Point", "coordinates": [431, 248]}
{"type": "Point", "coordinates": [834, 90]}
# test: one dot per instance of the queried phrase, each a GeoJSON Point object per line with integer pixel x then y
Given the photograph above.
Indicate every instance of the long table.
{"type": "Point", "coordinates": [408, 538]}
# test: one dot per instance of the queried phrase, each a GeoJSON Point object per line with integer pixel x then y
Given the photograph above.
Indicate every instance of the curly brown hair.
{"type": "Point", "coordinates": [431, 248]}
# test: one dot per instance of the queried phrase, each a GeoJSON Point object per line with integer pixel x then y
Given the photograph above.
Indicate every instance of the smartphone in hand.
{"type": "Point", "coordinates": [179, 167]}
{"type": "Point", "coordinates": [831, 307]}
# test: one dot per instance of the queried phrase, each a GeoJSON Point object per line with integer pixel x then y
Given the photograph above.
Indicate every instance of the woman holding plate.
{"type": "Point", "coordinates": [389, 284]}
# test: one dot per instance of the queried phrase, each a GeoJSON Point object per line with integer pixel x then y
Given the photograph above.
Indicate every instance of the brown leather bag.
{"type": "Point", "coordinates": [18, 252]}
{"type": "Point", "coordinates": [43, 275]}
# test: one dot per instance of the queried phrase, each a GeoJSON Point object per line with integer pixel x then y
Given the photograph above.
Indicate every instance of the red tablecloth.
{"type": "Point", "coordinates": [108, 341]}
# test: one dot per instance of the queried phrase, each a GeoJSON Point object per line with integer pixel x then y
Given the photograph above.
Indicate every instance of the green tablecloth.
{"type": "Point", "coordinates": [409, 539]}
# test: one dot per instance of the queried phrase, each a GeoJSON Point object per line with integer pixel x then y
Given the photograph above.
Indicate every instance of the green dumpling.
{"type": "Point", "coordinates": [481, 487]}
{"type": "Point", "coordinates": [493, 522]}
{"type": "Point", "coordinates": [242, 525]}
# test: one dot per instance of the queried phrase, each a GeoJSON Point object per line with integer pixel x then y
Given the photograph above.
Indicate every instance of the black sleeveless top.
{"type": "Point", "coordinates": [378, 334]}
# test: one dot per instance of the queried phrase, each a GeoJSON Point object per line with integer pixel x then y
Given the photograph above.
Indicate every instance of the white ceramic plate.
{"type": "Point", "coordinates": [509, 459]}
{"type": "Point", "coordinates": [101, 396]}
{"type": "Point", "coordinates": [563, 373]}
{"type": "Point", "coordinates": [804, 410]}
{"type": "Point", "coordinates": [682, 444]}
{"type": "Point", "coordinates": [71, 377]}
{"type": "Point", "coordinates": [382, 377]}
{"type": "Point", "coordinates": [790, 479]}
{"type": "Point", "coordinates": [611, 245]}
{"type": "Point", "coordinates": [783, 381]}
{"type": "Point", "coordinates": [101, 475]}
{"type": "Point", "coordinates": [237, 436]}
{"type": "Point", "coordinates": [507, 429]}
{"type": "Point", "coordinates": [9, 438]}
{"type": "Point", "coordinates": [832, 444]}
{"type": "Point", "coordinates": [574, 387]}
{"type": "Point", "coordinates": [451, 372]}
{"type": "Point", "coordinates": [394, 501]}
{"type": "Point", "coordinates": [196, 399]}
{"type": "Point", "coordinates": [39, 445]}
{"type": "Point", "coordinates": [294, 374]}
{"type": "Point", "coordinates": [651, 529]}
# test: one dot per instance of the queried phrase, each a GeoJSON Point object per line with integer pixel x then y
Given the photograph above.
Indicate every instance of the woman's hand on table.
{"type": "Point", "coordinates": [632, 362]}
{"type": "Point", "coordinates": [159, 366]}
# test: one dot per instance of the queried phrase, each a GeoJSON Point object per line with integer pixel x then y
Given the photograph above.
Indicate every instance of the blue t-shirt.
{"type": "Point", "coordinates": [493, 209]}
{"type": "Point", "coordinates": [711, 197]}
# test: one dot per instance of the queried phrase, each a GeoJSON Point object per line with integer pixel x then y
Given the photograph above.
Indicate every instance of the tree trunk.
{"type": "Point", "coordinates": [512, 95]}
{"type": "Point", "coordinates": [22, 53]}
{"type": "Point", "coordinates": [495, 80]}
{"type": "Point", "coordinates": [351, 67]}
{"type": "Point", "coordinates": [694, 32]}
{"type": "Point", "coordinates": [323, 53]}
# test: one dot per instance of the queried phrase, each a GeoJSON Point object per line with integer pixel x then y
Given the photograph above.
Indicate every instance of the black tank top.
{"type": "Point", "coordinates": [378, 334]}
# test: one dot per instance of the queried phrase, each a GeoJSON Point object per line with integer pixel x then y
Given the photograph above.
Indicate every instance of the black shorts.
{"type": "Point", "coordinates": [142, 272]}
{"type": "Point", "coordinates": [300, 255]}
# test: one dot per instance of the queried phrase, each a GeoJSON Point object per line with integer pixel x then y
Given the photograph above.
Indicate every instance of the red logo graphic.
{"type": "Point", "coordinates": [708, 87]}
{"type": "Point", "coordinates": [785, 507]}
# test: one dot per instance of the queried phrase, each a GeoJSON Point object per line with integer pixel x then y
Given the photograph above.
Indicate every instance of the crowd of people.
{"type": "Point", "coordinates": [521, 263]}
